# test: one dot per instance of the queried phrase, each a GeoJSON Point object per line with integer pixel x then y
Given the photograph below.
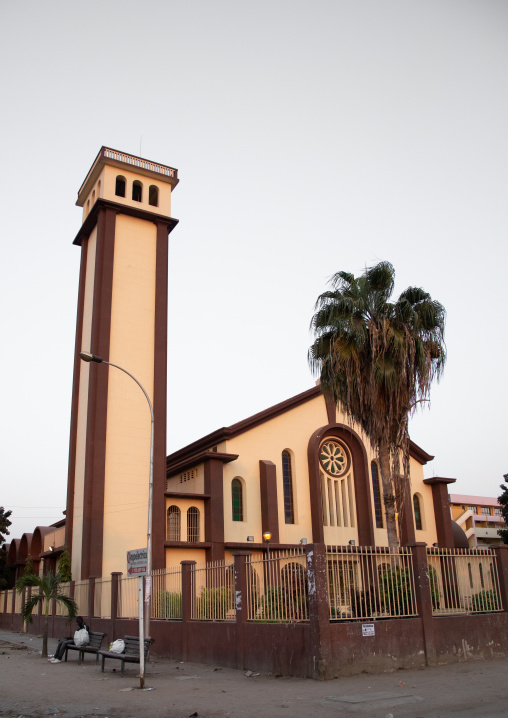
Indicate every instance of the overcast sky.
{"type": "Point", "coordinates": [309, 138]}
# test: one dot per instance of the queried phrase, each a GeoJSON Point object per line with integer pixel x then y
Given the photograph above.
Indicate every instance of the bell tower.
{"type": "Point", "coordinates": [121, 317]}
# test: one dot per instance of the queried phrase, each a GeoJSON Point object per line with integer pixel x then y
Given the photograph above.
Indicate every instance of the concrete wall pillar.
{"type": "Point", "coordinates": [115, 593]}
{"type": "Point", "coordinates": [241, 604]}
{"type": "Point", "coordinates": [501, 553]}
{"type": "Point", "coordinates": [423, 598]}
{"type": "Point", "coordinates": [188, 602]}
{"type": "Point", "coordinates": [319, 649]}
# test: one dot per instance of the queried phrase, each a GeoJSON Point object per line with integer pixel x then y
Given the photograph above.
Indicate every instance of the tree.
{"type": "Point", "coordinates": [4, 531]}
{"type": "Point", "coordinates": [49, 590]}
{"type": "Point", "coordinates": [377, 359]}
{"type": "Point", "coordinates": [503, 501]}
{"type": "Point", "coordinates": [29, 567]}
{"type": "Point", "coordinates": [64, 566]}
{"type": "Point", "coordinates": [4, 524]}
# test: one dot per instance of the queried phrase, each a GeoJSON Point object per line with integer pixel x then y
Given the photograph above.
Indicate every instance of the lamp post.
{"type": "Point", "coordinates": [88, 357]}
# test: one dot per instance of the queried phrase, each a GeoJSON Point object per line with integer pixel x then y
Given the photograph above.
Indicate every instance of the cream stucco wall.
{"type": "Point", "coordinates": [292, 431]}
{"type": "Point", "coordinates": [184, 505]}
{"type": "Point", "coordinates": [79, 466]}
{"type": "Point", "coordinates": [184, 483]}
{"type": "Point", "coordinates": [105, 187]}
{"type": "Point", "coordinates": [128, 425]}
{"type": "Point", "coordinates": [428, 532]}
{"type": "Point", "coordinates": [175, 556]}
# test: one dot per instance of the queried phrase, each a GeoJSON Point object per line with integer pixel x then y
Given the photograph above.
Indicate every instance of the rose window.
{"type": "Point", "coordinates": [333, 458]}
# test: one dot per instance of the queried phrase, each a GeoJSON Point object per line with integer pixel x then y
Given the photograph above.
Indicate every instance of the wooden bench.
{"type": "Point", "coordinates": [131, 654]}
{"type": "Point", "coordinates": [93, 646]}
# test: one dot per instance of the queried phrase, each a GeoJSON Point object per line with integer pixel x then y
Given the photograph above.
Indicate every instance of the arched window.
{"type": "Point", "coordinates": [237, 499]}
{"type": "Point", "coordinates": [173, 524]}
{"type": "Point", "coordinates": [93, 197]}
{"type": "Point", "coordinates": [153, 195]}
{"type": "Point", "coordinates": [418, 512]}
{"type": "Point", "coordinates": [378, 509]}
{"type": "Point", "coordinates": [287, 481]}
{"type": "Point", "coordinates": [137, 191]}
{"type": "Point", "coordinates": [193, 524]}
{"type": "Point", "coordinates": [120, 186]}
{"type": "Point", "coordinates": [87, 207]}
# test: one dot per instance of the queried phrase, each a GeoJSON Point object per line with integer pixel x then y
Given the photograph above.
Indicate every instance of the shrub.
{"type": "Point", "coordinates": [395, 589]}
{"type": "Point", "coordinates": [166, 604]}
{"type": "Point", "coordinates": [484, 602]}
{"type": "Point", "coordinates": [214, 603]}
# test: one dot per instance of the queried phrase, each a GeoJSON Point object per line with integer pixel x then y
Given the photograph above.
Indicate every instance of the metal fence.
{"type": "Point", "coordinates": [127, 597]}
{"type": "Point", "coordinates": [81, 591]}
{"type": "Point", "coordinates": [366, 582]}
{"type": "Point", "coordinates": [65, 589]}
{"type": "Point", "coordinates": [463, 581]}
{"type": "Point", "coordinates": [167, 593]}
{"type": "Point", "coordinates": [213, 591]}
{"type": "Point", "coordinates": [277, 586]}
{"type": "Point", "coordinates": [102, 598]}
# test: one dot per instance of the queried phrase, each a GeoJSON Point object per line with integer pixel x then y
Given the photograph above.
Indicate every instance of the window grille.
{"type": "Point", "coordinates": [193, 524]}
{"type": "Point", "coordinates": [173, 524]}
{"type": "Point", "coordinates": [237, 499]}
{"type": "Point", "coordinates": [287, 480]}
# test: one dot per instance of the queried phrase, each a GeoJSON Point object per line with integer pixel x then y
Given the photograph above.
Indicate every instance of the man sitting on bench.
{"type": "Point", "coordinates": [60, 649]}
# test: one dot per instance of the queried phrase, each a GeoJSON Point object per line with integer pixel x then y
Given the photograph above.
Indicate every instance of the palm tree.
{"type": "Point", "coordinates": [49, 589]}
{"type": "Point", "coordinates": [377, 360]}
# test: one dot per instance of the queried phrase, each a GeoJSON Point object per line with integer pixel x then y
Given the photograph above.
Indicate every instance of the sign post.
{"type": "Point", "coordinates": [137, 562]}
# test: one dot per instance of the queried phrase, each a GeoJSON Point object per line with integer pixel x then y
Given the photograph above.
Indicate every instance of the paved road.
{"type": "Point", "coordinates": [31, 687]}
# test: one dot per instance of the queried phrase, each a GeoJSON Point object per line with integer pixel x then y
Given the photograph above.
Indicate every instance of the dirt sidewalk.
{"type": "Point", "coordinates": [32, 687]}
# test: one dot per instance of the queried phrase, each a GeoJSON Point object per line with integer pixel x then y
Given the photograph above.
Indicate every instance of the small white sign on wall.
{"type": "Point", "coordinates": [368, 629]}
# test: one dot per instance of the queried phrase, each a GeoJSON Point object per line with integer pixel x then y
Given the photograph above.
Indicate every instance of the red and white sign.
{"type": "Point", "coordinates": [137, 561]}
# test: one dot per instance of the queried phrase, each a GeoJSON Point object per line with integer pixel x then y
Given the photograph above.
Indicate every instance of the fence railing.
{"type": "Point", "coordinates": [364, 583]}
{"type": "Point", "coordinates": [65, 588]}
{"type": "Point", "coordinates": [81, 592]}
{"type": "Point", "coordinates": [167, 593]}
{"type": "Point", "coordinates": [367, 582]}
{"type": "Point", "coordinates": [463, 581]}
{"type": "Point", "coordinates": [213, 591]}
{"type": "Point", "coordinates": [102, 598]}
{"type": "Point", "coordinates": [277, 587]}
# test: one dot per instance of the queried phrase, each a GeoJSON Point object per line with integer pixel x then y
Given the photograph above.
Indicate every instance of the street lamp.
{"type": "Point", "coordinates": [267, 536]}
{"type": "Point", "coordinates": [88, 357]}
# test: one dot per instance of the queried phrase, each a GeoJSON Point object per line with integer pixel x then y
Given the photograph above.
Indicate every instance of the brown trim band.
{"type": "Point", "coordinates": [101, 203]}
{"type": "Point", "coordinates": [95, 458]}
{"type": "Point", "coordinates": [160, 394]}
{"type": "Point", "coordinates": [75, 398]}
{"type": "Point", "coordinates": [173, 469]}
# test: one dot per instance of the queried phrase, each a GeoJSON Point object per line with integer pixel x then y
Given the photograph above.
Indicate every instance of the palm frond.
{"type": "Point", "coordinates": [29, 605]}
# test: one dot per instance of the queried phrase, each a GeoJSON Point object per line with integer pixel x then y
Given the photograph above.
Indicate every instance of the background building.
{"type": "Point", "coordinates": [480, 517]}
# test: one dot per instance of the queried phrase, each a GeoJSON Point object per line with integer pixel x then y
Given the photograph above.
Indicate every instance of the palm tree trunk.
{"type": "Point", "coordinates": [45, 631]}
{"type": "Point", "coordinates": [388, 495]}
